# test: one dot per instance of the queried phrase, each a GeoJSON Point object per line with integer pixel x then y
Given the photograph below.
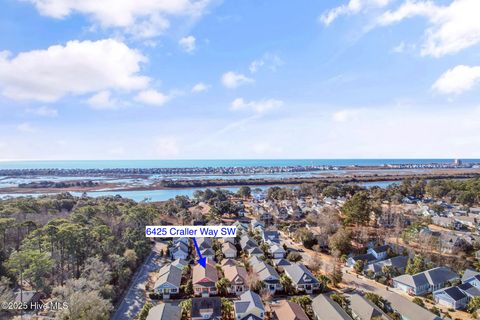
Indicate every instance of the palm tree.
{"type": "Point", "coordinates": [227, 309]}
{"type": "Point", "coordinates": [286, 282]}
{"type": "Point", "coordinates": [222, 286]}
{"type": "Point", "coordinates": [186, 307]}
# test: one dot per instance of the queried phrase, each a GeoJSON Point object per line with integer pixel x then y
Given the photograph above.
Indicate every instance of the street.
{"type": "Point", "coordinates": [135, 297]}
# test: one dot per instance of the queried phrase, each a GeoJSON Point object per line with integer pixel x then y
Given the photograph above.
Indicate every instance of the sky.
{"type": "Point", "coordinates": [254, 79]}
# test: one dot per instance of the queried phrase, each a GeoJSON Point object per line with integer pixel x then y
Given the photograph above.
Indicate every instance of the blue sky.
{"type": "Point", "coordinates": [185, 79]}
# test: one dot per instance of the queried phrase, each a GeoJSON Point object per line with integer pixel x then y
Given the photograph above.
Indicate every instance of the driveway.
{"type": "Point", "coordinates": [135, 297]}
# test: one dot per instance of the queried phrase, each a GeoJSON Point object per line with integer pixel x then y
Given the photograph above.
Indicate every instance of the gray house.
{"type": "Point", "coordinates": [302, 278]}
{"type": "Point", "coordinates": [168, 282]}
{"type": "Point", "coordinates": [425, 282]}
{"type": "Point", "coordinates": [164, 311]}
{"type": "Point", "coordinates": [325, 308]}
{"type": "Point", "coordinates": [363, 309]}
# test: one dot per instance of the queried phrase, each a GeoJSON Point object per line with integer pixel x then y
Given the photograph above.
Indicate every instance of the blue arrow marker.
{"type": "Point", "coordinates": [201, 260]}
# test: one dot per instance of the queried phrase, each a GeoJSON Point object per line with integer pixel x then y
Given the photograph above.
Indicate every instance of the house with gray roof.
{"type": "Point", "coordinates": [325, 308]}
{"type": "Point", "coordinates": [276, 251]}
{"type": "Point", "coordinates": [398, 263]}
{"type": "Point", "coordinates": [255, 251]}
{"type": "Point", "coordinates": [267, 274]}
{"type": "Point", "coordinates": [364, 309]}
{"type": "Point", "coordinates": [249, 306]}
{"type": "Point", "coordinates": [168, 282]}
{"type": "Point", "coordinates": [301, 277]}
{"type": "Point", "coordinates": [366, 258]}
{"type": "Point", "coordinates": [379, 252]}
{"type": "Point", "coordinates": [468, 274]}
{"type": "Point", "coordinates": [409, 310]}
{"type": "Point", "coordinates": [180, 264]}
{"type": "Point", "coordinates": [206, 308]}
{"type": "Point", "coordinates": [229, 250]}
{"type": "Point", "coordinates": [426, 281]}
{"type": "Point", "coordinates": [271, 235]}
{"type": "Point", "coordinates": [451, 297]}
{"type": "Point", "coordinates": [246, 242]}
{"type": "Point", "coordinates": [179, 250]}
{"type": "Point", "coordinates": [164, 311]}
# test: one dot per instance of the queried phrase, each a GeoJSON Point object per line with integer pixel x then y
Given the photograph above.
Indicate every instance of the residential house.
{"type": "Point", "coordinates": [180, 263]}
{"type": "Point", "coordinates": [249, 305]}
{"type": "Point", "coordinates": [409, 310]}
{"type": "Point", "coordinates": [452, 297]}
{"type": "Point", "coordinates": [267, 274]}
{"type": "Point", "coordinates": [324, 308]}
{"type": "Point", "coordinates": [398, 264]}
{"type": "Point", "coordinates": [168, 282]}
{"type": "Point", "coordinates": [271, 236]}
{"type": "Point", "coordinates": [470, 221]}
{"type": "Point", "coordinates": [164, 311]}
{"type": "Point", "coordinates": [204, 279]}
{"type": "Point", "coordinates": [228, 262]}
{"type": "Point", "coordinates": [208, 253]}
{"type": "Point", "coordinates": [366, 258]}
{"type": "Point", "coordinates": [276, 251]}
{"type": "Point", "coordinates": [469, 274]}
{"type": "Point", "coordinates": [257, 225]}
{"type": "Point", "coordinates": [204, 243]}
{"type": "Point", "coordinates": [237, 277]}
{"type": "Point", "coordinates": [287, 310]}
{"type": "Point", "coordinates": [380, 252]}
{"type": "Point", "coordinates": [179, 250]}
{"type": "Point", "coordinates": [206, 308]}
{"type": "Point", "coordinates": [301, 277]}
{"type": "Point", "coordinates": [364, 309]}
{"type": "Point", "coordinates": [426, 281]}
{"type": "Point", "coordinates": [246, 242]}
{"type": "Point", "coordinates": [255, 251]}
{"type": "Point", "coordinates": [280, 263]}
{"type": "Point", "coordinates": [229, 250]}
{"type": "Point", "coordinates": [452, 243]}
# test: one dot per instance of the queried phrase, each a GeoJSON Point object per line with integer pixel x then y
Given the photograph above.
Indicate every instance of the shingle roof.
{"type": "Point", "coordinates": [409, 309]}
{"type": "Point", "coordinates": [169, 274]}
{"type": "Point", "coordinates": [209, 272]}
{"type": "Point", "coordinates": [327, 309]}
{"type": "Point", "coordinates": [288, 310]}
{"type": "Point", "coordinates": [455, 293]}
{"type": "Point", "coordinates": [365, 309]}
{"type": "Point", "coordinates": [468, 274]}
{"type": "Point", "coordinates": [298, 273]}
{"type": "Point", "coordinates": [231, 272]}
{"type": "Point", "coordinates": [252, 298]}
{"type": "Point", "coordinates": [199, 304]}
{"type": "Point", "coordinates": [164, 311]}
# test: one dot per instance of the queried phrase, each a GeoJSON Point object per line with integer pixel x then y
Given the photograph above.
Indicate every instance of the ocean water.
{"type": "Point", "coordinates": [104, 164]}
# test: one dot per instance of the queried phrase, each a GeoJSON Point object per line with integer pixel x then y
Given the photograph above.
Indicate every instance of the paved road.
{"type": "Point", "coordinates": [135, 297]}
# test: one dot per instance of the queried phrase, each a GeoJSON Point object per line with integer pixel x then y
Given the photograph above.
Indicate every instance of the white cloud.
{"type": "Point", "coordinates": [44, 111]}
{"type": "Point", "coordinates": [102, 100]}
{"type": "Point", "coordinates": [457, 80]}
{"type": "Point", "coordinates": [269, 60]}
{"type": "Point", "coordinates": [200, 87]}
{"type": "Point", "coordinates": [345, 115]}
{"type": "Point", "coordinates": [79, 67]}
{"type": "Point", "coordinates": [232, 79]}
{"type": "Point", "coordinates": [146, 18]}
{"type": "Point", "coordinates": [259, 107]}
{"type": "Point", "coordinates": [166, 146]}
{"type": "Point", "coordinates": [152, 97]}
{"type": "Point", "coordinates": [352, 7]}
{"type": "Point", "coordinates": [25, 128]}
{"type": "Point", "coordinates": [187, 44]}
{"type": "Point", "coordinates": [452, 28]}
